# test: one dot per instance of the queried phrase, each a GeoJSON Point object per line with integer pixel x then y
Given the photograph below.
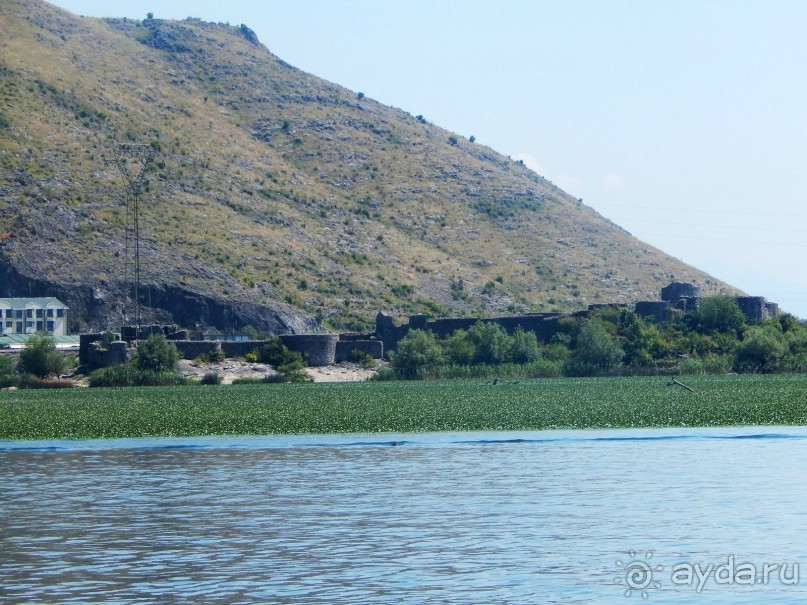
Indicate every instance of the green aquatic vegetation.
{"type": "Point", "coordinates": [450, 405]}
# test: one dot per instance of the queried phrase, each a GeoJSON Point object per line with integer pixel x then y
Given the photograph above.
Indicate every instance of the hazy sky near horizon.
{"type": "Point", "coordinates": [683, 121]}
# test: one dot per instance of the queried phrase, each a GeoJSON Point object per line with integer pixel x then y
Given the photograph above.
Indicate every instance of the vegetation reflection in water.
{"type": "Point", "coordinates": [458, 405]}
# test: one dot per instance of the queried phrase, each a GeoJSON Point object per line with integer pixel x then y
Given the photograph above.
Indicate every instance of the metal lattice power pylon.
{"type": "Point", "coordinates": [132, 161]}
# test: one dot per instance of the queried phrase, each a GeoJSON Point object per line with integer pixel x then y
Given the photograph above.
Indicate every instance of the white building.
{"type": "Point", "coordinates": [33, 316]}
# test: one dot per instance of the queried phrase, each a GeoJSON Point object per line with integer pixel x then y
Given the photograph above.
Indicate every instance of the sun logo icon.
{"type": "Point", "coordinates": [638, 575]}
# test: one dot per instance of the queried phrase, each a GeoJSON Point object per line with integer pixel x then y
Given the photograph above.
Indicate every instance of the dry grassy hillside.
{"type": "Point", "coordinates": [276, 198]}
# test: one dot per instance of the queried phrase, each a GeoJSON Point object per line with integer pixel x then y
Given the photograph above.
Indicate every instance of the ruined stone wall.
{"type": "Point", "coordinates": [677, 290]}
{"type": "Point", "coordinates": [652, 309]}
{"type": "Point", "coordinates": [387, 332]}
{"type": "Point", "coordinates": [84, 342]}
{"type": "Point", "coordinates": [345, 347]}
{"type": "Point", "coordinates": [544, 325]}
{"type": "Point", "coordinates": [316, 349]}
{"type": "Point", "coordinates": [99, 354]}
{"type": "Point", "coordinates": [688, 303]}
{"type": "Point", "coordinates": [753, 307]}
{"type": "Point", "coordinates": [242, 347]}
{"type": "Point", "coordinates": [191, 349]}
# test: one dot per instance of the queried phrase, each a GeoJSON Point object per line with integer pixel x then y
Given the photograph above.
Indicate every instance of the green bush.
{"type": "Point", "coordinates": [6, 366]}
{"type": "Point", "coordinates": [211, 378]}
{"type": "Point", "coordinates": [384, 374]}
{"type": "Point", "coordinates": [251, 332]}
{"type": "Point", "coordinates": [597, 350]}
{"type": "Point", "coordinates": [492, 344]}
{"type": "Point", "coordinates": [294, 376]}
{"type": "Point", "coordinates": [795, 363]}
{"type": "Point", "coordinates": [216, 355]}
{"type": "Point", "coordinates": [459, 349]}
{"type": "Point", "coordinates": [418, 349]}
{"type": "Point", "coordinates": [278, 355]}
{"type": "Point", "coordinates": [720, 314]}
{"type": "Point", "coordinates": [28, 381]}
{"type": "Point", "coordinates": [248, 380]}
{"type": "Point", "coordinates": [762, 350]}
{"type": "Point", "coordinates": [40, 358]}
{"type": "Point", "coordinates": [130, 376]}
{"type": "Point", "coordinates": [361, 357]}
{"type": "Point", "coordinates": [156, 354]}
{"type": "Point", "coordinates": [524, 346]}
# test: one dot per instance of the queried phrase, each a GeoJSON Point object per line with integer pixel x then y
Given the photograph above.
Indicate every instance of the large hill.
{"type": "Point", "coordinates": [275, 198]}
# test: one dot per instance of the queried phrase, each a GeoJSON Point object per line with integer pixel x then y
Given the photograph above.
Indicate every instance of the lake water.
{"type": "Point", "coordinates": [516, 518]}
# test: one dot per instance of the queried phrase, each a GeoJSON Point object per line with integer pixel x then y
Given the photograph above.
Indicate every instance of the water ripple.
{"type": "Point", "coordinates": [461, 518]}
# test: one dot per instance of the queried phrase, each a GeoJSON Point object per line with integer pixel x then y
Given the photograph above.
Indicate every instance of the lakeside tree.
{"type": "Point", "coordinates": [491, 343]}
{"type": "Point", "coordinates": [762, 350]}
{"type": "Point", "coordinates": [418, 349]}
{"type": "Point", "coordinates": [597, 350]}
{"type": "Point", "coordinates": [6, 366]}
{"type": "Point", "coordinates": [459, 349]}
{"type": "Point", "coordinates": [156, 354]}
{"type": "Point", "coordinates": [720, 314]}
{"type": "Point", "coordinates": [524, 347]}
{"type": "Point", "coordinates": [40, 358]}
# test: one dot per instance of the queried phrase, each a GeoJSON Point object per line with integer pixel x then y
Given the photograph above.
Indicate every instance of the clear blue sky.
{"type": "Point", "coordinates": [683, 121]}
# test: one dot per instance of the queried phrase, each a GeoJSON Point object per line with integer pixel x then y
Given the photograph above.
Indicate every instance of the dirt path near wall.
{"type": "Point", "coordinates": [230, 369]}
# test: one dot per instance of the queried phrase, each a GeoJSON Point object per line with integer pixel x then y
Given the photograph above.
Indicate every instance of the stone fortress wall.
{"type": "Point", "coordinates": [677, 295]}
{"type": "Point", "coordinates": [102, 350]}
{"type": "Point", "coordinates": [326, 349]}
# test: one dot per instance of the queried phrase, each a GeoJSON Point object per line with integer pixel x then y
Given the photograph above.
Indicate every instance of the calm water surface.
{"type": "Point", "coordinates": [540, 517]}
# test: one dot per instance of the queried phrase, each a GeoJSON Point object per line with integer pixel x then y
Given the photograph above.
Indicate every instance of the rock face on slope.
{"type": "Point", "coordinates": [270, 198]}
{"type": "Point", "coordinates": [100, 306]}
